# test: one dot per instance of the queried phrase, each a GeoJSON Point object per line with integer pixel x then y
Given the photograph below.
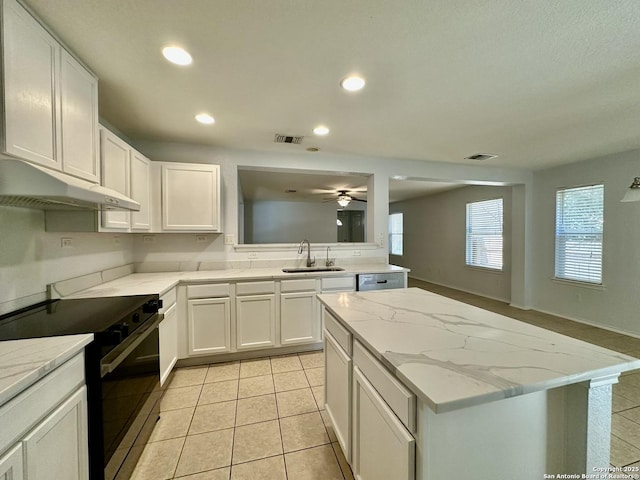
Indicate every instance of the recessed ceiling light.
{"type": "Point", "coordinates": [205, 118]}
{"type": "Point", "coordinates": [353, 83]}
{"type": "Point", "coordinates": [312, 149]}
{"type": "Point", "coordinates": [321, 130]}
{"type": "Point", "coordinates": [177, 55]}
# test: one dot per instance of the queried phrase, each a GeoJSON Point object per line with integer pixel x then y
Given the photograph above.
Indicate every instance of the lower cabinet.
{"type": "Point", "coordinates": [299, 318]}
{"type": "Point", "coordinates": [168, 332]}
{"type": "Point", "coordinates": [57, 447]}
{"type": "Point", "coordinates": [11, 467]}
{"type": "Point", "coordinates": [337, 364]}
{"type": "Point", "coordinates": [382, 447]}
{"type": "Point", "coordinates": [208, 325]}
{"type": "Point", "coordinates": [255, 321]}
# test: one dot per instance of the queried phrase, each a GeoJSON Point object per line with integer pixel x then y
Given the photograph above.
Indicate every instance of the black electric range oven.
{"type": "Point", "coordinates": [122, 369]}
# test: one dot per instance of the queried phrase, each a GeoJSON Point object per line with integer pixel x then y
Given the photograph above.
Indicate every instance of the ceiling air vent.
{"type": "Point", "coordinates": [287, 139]}
{"type": "Point", "coordinates": [481, 156]}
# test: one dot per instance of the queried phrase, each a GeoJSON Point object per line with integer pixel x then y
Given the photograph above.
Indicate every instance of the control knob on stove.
{"type": "Point", "coordinates": [152, 306]}
{"type": "Point", "coordinates": [135, 318]}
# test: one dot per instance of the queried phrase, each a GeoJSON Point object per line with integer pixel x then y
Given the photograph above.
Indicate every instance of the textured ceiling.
{"type": "Point", "coordinates": [539, 82]}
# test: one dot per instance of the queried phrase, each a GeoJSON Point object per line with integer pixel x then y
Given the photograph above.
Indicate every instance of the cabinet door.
{"type": "Point", "coordinates": [299, 318]}
{"type": "Point", "coordinates": [255, 321]}
{"type": "Point", "coordinates": [382, 446]}
{"type": "Point", "coordinates": [79, 119]}
{"type": "Point", "coordinates": [190, 198]}
{"type": "Point", "coordinates": [114, 154]}
{"type": "Point", "coordinates": [31, 97]}
{"type": "Point", "coordinates": [209, 326]}
{"type": "Point", "coordinates": [168, 331]}
{"type": "Point", "coordinates": [337, 394]}
{"type": "Point", "coordinates": [58, 447]}
{"type": "Point", "coordinates": [141, 191]}
{"type": "Point", "coordinates": [11, 467]}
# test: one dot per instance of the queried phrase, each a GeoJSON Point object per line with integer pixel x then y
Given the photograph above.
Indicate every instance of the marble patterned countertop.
{"type": "Point", "coordinates": [150, 283]}
{"type": "Point", "coordinates": [453, 355]}
{"type": "Point", "coordinates": [24, 362]}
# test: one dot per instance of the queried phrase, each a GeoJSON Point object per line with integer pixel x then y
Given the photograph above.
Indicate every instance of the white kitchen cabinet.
{"type": "Point", "coordinates": [208, 325]}
{"type": "Point", "coordinates": [338, 367]}
{"type": "Point", "coordinates": [168, 333]}
{"type": "Point", "coordinates": [382, 447]}
{"type": "Point", "coordinates": [57, 447]}
{"type": "Point", "coordinates": [140, 190]}
{"type": "Point", "coordinates": [299, 318]}
{"type": "Point", "coordinates": [11, 465]}
{"type": "Point", "coordinates": [31, 93]}
{"type": "Point", "coordinates": [190, 197]}
{"type": "Point", "coordinates": [78, 119]}
{"type": "Point", "coordinates": [114, 154]}
{"type": "Point", "coordinates": [255, 321]}
{"type": "Point", "coordinates": [50, 99]}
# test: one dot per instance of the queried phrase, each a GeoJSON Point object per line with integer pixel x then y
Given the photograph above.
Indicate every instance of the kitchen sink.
{"type": "Point", "coordinates": [312, 269]}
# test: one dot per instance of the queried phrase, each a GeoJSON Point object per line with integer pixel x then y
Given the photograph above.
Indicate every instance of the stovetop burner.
{"type": "Point", "coordinates": [73, 316]}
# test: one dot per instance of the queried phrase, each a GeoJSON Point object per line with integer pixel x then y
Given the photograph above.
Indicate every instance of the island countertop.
{"type": "Point", "coordinates": [453, 355]}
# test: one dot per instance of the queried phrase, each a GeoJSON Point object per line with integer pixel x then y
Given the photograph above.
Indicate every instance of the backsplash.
{"type": "Point", "coordinates": [31, 258]}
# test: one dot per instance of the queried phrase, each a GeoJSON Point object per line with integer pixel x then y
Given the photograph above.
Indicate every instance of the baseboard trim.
{"type": "Point", "coordinates": [453, 287]}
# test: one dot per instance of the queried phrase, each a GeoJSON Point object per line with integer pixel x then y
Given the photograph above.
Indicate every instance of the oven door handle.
{"type": "Point", "coordinates": [116, 356]}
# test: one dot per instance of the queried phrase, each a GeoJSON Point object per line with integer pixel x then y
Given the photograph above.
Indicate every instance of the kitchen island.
{"type": "Point", "coordinates": [454, 391]}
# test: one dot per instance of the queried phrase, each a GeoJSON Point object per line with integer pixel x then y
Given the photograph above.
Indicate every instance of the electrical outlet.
{"type": "Point", "coordinates": [116, 239]}
{"type": "Point", "coordinates": [66, 242]}
{"type": "Point", "coordinates": [253, 255]}
{"type": "Point", "coordinates": [148, 239]}
{"type": "Point", "coordinates": [201, 238]}
{"type": "Point", "coordinates": [229, 239]}
{"type": "Point", "coordinates": [356, 253]}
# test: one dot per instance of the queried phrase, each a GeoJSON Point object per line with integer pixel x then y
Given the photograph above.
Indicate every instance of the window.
{"type": "Point", "coordinates": [579, 222]}
{"type": "Point", "coordinates": [395, 234]}
{"type": "Point", "coordinates": [484, 234]}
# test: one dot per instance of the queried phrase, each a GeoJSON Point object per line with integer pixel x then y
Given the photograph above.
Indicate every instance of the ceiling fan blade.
{"type": "Point", "coordinates": [358, 200]}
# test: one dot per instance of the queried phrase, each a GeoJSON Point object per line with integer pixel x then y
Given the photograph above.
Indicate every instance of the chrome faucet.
{"type": "Point", "coordinates": [310, 263]}
{"type": "Point", "coordinates": [329, 262]}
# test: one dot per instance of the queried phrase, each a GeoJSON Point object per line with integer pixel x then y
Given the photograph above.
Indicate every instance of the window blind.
{"type": "Point", "coordinates": [395, 234]}
{"type": "Point", "coordinates": [579, 227]}
{"type": "Point", "coordinates": [484, 234]}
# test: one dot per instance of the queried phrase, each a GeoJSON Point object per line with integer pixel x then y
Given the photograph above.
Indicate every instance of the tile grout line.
{"type": "Point", "coordinates": [284, 459]}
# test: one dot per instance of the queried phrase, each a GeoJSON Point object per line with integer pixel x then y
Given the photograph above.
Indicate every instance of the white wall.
{"type": "Point", "coordinates": [30, 258]}
{"type": "Point", "coordinates": [381, 170]}
{"type": "Point", "coordinates": [286, 222]}
{"type": "Point", "coordinates": [434, 241]}
{"type": "Point", "coordinates": [617, 303]}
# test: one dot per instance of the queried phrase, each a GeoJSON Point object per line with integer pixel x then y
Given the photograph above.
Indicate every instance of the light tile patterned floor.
{"type": "Point", "coordinates": [264, 419]}
{"type": "Point", "coordinates": [254, 419]}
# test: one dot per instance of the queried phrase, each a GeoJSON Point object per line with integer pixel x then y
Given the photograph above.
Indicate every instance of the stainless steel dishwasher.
{"type": "Point", "coordinates": [380, 281]}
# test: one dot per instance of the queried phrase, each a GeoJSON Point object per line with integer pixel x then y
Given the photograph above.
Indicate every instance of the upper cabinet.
{"type": "Point", "coordinates": [127, 171]}
{"type": "Point", "coordinates": [50, 100]}
{"type": "Point", "coordinates": [189, 196]}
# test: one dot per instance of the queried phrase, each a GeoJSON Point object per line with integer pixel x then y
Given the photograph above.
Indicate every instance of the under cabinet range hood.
{"type": "Point", "coordinates": [26, 185]}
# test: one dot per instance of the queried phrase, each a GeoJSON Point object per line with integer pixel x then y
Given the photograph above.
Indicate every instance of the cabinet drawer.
{"type": "Point", "coordinates": [339, 284]}
{"type": "Point", "coordinates": [168, 300]}
{"type": "Point", "coordinates": [208, 291]}
{"type": "Point", "coordinates": [299, 285]}
{"type": "Point", "coordinates": [397, 396]}
{"type": "Point", "coordinates": [32, 405]}
{"type": "Point", "coordinates": [255, 288]}
{"type": "Point", "coordinates": [339, 333]}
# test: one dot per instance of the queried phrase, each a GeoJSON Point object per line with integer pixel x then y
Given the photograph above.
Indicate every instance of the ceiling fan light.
{"type": "Point", "coordinates": [343, 200]}
{"type": "Point", "coordinates": [633, 192]}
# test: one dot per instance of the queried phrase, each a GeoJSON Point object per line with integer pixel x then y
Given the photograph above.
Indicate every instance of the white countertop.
{"type": "Point", "coordinates": [150, 283]}
{"type": "Point", "coordinates": [24, 362]}
{"type": "Point", "coordinates": [453, 355]}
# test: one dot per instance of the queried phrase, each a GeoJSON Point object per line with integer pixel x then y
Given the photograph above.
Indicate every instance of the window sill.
{"type": "Point", "coordinates": [576, 283]}
{"type": "Point", "coordinates": [485, 269]}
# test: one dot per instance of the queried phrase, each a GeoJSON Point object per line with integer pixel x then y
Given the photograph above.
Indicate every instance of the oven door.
{"type": "Point", "coordinates": [130, 394]}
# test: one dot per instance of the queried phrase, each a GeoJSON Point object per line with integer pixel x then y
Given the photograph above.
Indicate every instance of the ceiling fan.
{"type": "Point", "coordinates": [344, 198]}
